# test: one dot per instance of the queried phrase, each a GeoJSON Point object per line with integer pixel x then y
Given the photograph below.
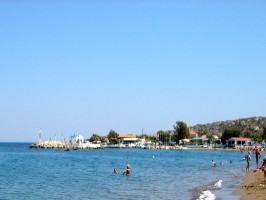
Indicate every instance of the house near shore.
{"type": "Point", "coordinates": [234, 142]}
{"type": "Point", "coordinates": [200, 141]}
{"type": "Point", "coordinates": [127, 139]}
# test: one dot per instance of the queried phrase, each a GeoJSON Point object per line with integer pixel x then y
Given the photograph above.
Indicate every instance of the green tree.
{"type": "Point", "coordinates": [210, 137]}
{"type": "Point", "coordinates": [104, 139]}
{"type": "Point", "coordinates": [256, 137]}
{"type": "Point", "coordinates": [263, 137]}
{"type": "Point", "coordinates": [247, 134]}
{"type": "Point", "coordinates": [111, 136]}
{"type": "Point", "coordinates": [228, 133]}
{"type": "Point", "coordinates": [181, 131]}
{"type": "Point", "coordinates": [94, 138]}
{"type": "Point", "coordinates": [152, 138]}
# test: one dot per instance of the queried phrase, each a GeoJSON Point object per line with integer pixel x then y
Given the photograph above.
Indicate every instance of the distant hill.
{"type": "Point", "coordinates": [246, 125]}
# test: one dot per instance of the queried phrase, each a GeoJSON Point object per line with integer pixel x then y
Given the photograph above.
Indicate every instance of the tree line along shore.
{"type": "Point", "coordinates": [216, 132]}
{"type": "Point", "coordinates": [253, 127]}
{"type": "Point", "coordinates": [62, 145]}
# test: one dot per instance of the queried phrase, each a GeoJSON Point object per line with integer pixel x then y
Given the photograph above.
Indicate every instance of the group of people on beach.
{"type": "Point", "coordinates": [126, 172]}
{"type": "Point", "coordinates": [257, 153]}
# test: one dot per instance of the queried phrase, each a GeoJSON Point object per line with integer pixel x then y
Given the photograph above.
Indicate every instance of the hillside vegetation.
{"type": "Point", "coordinates": [247, 126]}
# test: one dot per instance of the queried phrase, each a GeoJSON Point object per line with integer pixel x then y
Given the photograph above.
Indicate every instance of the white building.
{"type": "Point", "coordinates": [79, 141]}
{"type": "Point", "coordinates": [76, 140]}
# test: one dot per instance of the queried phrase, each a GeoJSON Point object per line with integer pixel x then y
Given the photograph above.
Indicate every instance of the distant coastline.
{"type": "Point", "coordinates": [54, 144]}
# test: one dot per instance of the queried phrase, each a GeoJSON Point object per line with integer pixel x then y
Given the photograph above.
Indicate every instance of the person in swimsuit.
{"type": "Point", "coordinates": [248, 161]}
{"type": "Point", "coordinates": [257, 153]}
{"type": "Point", "coordinates": [115, 171]}
{"type": "Point", "coordinates": [127, 172]}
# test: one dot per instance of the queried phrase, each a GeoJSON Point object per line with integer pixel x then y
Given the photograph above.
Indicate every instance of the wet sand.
{"type": "Point", "coordinates": [252, 186]}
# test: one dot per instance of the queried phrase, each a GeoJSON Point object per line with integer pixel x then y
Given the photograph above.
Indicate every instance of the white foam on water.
{"type": "Point", "coordinates": [218, 185]}
{"type": "Point", "coordinates": [207, 195]}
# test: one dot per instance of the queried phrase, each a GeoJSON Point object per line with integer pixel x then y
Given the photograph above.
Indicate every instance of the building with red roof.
{"type": "Point", "coordinates": [237, 142]}
{"type": "Point", "coordinates": [127, 138]}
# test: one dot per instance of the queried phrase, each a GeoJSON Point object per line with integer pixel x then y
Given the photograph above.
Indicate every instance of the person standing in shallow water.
{"type": "Point", "coordinates": [127, 172]}
{"type": "Point", "coordinates": [257, 154]}
{"type": "Point", "coordinates": [248, 161]}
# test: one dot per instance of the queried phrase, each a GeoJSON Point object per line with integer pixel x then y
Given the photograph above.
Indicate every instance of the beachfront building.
{"type": "Point", "coordinates": [127, 139]}
{"type": "Point", "coordinates": [79, 141]}
{"type": "Point", "coordinates": [76, 140]}
{"type": "Point", "coordinates": [184, 141]}
{"type": "Point", "coordinates": [234, 142]}
{"type": "Point", "coordinates": [218, 142]}
{"type": "Point", "coordinates": [201, 141]}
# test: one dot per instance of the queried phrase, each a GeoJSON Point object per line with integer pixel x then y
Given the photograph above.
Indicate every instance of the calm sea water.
{"type": "Point", "coordinates": [88, 174]}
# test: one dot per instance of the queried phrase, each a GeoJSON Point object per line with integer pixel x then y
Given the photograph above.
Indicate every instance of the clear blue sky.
{"type": "Point", "coordinates": [90, 66]}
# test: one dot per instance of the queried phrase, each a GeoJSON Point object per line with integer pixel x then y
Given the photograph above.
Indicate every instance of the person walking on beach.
{"type": "Point", "coordinates": [127, 172]}
{"type": "Point", "coordinates": [257, 153]}
{"type": "Point", "coordinates": [248, 161]}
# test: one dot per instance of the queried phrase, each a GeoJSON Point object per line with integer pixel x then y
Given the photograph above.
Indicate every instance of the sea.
{"type": "Point", "coordinates": [28, 173]}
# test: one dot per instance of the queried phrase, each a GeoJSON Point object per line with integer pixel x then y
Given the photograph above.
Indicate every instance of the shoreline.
{"type": "Point", "coordinates": [252, 186]}
{"type": "Point", "coordinates": [56, 144]}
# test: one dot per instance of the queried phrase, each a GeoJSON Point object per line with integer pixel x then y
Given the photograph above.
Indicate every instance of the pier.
{"type": "Point", "coordinates": [64, 145]}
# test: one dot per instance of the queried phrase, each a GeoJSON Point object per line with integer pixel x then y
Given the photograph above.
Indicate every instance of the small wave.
{"type": "Point", "coordinates": [207, 195]}
{"type": "Point", "coordinates": [205, 192]}
{"type": "Point", "coordinates": [218, 184]}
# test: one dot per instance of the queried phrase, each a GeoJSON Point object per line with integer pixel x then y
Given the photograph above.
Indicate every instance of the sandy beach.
{"type": "Point", "coordinates": [252, 186]}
